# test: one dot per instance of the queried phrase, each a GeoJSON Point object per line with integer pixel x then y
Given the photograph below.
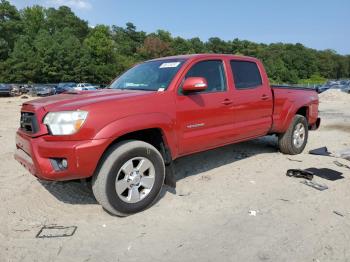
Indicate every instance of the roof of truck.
{"type": "Point", "coordinates": [205, 56]}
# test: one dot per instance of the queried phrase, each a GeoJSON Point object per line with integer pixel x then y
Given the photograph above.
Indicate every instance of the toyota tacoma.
{"type": "Point", "coordinates": [126, 137]}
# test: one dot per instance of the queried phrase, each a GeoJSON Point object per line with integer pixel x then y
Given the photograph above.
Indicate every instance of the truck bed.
{"type": "Point", "coordinates": [288, 100]}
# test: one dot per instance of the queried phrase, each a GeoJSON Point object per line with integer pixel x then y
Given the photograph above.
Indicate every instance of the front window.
{"type": "Point", "coordinates": [213, 71]}
{"type": "Point", "coordinates": [150, 76]}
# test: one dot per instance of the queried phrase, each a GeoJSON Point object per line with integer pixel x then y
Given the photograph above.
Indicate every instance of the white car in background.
{"type": "Point", "coordinates": [85, 86]}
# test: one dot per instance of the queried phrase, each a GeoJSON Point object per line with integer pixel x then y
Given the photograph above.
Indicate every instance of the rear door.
{"type": "Point", "coordinates": [252, 99]}
{"type": "Point", "coordinates": [205, 119]}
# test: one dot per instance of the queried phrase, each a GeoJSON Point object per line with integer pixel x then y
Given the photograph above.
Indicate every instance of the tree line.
{"type": "Point", "coordinates": [48, 45]}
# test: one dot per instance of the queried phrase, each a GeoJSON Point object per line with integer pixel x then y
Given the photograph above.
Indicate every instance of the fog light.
{"type": "Point", "coordinates": [64, 163]}
{"type": "Point", "coordinates": [59, 164]}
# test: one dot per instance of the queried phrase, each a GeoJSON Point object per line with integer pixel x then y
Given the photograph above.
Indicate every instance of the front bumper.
{"type": "Point", "coordinates": [35, 154]}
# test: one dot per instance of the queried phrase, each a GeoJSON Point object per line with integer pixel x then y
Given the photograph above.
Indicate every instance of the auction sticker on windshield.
{"type": "Point", "coordinates": [169, 65]}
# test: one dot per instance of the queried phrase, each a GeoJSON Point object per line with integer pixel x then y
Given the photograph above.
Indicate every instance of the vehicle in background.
{"type": "Point", "coordinates": [340, 85]}
{"type": "Point", "coordinates": [9, 90]}
{"type": "Point", "coordinates": [102, 86]}
{"type": "Point", "coordinates": [4, 90]}
{"type": "Point", "coordinates": [337, 87]}
{"type": "Point", "coordinates": [23, 88]}
{"type": "Point", "coordinates": [331, 83]}
{"type": "Point", "coordinates": [126, 137]}
{"type": "Point", "coordinates": [85, 86]}
{"type": "Point", "coordinates": [28, 88]}
{"type": "Point", "coordinates": [43, 90]}
{"type": "Point", "coordinates": [322, 88]}
{"type": "Point", "coordinates": [15, 90]}
{"type": "Point", "coordinates": [346, 88]}
{"type": "Point", "coordinates": [344, 82]}
{"type": "Point", "coordinates": [65, 86]}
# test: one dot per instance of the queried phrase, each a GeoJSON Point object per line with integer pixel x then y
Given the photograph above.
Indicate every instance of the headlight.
{"type": "Point", "coordinates": [65, 122]}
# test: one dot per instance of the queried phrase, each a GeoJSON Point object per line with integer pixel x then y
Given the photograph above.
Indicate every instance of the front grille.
{"type": "Point", "coordinates": [29, 122]}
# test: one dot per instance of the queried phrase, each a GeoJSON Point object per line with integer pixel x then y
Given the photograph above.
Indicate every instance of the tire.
{"type": "Point", "coordinates": [287, 142]}
{"type": "Point", "coordinates": [121, 167]}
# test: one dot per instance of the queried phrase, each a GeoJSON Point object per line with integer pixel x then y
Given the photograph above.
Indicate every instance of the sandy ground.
{"type": "Point", "coordinates": [208, 217]}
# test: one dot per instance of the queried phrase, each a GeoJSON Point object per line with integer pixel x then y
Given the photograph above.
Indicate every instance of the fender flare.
{"type": "Point", "coordinates": [290, 113]}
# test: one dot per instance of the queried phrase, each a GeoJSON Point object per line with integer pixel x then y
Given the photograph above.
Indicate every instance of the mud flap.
{"type": "Point", "coordinates": [316, 125]}
{"type": "Point", "coordinates": [170, 179]}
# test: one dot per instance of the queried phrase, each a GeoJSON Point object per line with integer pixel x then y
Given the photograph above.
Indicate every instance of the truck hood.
{"type": "Point", "coordinates": [77, 99]}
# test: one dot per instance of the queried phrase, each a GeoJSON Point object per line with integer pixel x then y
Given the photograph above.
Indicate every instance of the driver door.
{"type": "Point", "coordinates": [205, 119]}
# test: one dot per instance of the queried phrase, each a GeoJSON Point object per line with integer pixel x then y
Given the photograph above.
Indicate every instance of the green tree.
{"type": "Point", "coordinates": [128, 40]}
{"type": "Point", "coordinates": [197, 46]}
{"type": "Point", "coordinates": [40, 44]}
{"type": "Point", "coordinates": [58, 56]}
{"type": "Point", "coordinates": [21, 66]}
{"type": "Point", "coordinates": [216, 45]}
{"type": "Point", "coordinates": [326, 64]}
{"type": "Point", "coordinates": [100, 54]}
{"type": "Point", "coordinates": [62, 18]}
{"type": "Point", "coordinates": [10, 28]}
{"type": "Point", "coordinates": [33, 20]}
{"type": "Point", "coordinates": [181, 46]}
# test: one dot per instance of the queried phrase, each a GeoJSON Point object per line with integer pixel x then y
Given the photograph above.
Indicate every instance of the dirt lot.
{"type": "Point", "coordinates": [208, 217]}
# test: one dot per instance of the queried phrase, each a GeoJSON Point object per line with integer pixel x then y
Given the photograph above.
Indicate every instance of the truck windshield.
{"type": "Point", "coordinates": [151, 76]}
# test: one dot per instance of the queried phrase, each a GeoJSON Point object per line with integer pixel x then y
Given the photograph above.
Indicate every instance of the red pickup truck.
{"type": "Point", "coordinates": [126, 136]}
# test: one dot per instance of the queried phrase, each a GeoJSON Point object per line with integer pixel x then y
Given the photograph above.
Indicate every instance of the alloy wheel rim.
{"type": "Point", "coordinates": [135, 179]}
{"type": "Point", "coordinates": [299, 135]}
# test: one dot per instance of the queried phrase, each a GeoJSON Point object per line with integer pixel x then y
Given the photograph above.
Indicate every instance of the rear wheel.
{"type": "Point", "coordinates": [294, 140]}
{"type": "Point", "coordinates": [130, 177]}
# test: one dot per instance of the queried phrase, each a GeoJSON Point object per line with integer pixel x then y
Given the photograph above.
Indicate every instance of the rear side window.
{"type": "Point", "coordinates": [213, 72]}
{"type": "Point", "coordinates": [246, 74]}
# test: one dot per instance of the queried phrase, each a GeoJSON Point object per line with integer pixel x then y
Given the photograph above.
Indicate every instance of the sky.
{"type": "Point", "coordinates": [319, 24]}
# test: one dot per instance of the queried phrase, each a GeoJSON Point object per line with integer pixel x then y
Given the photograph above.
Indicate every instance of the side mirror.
{"type": "Point", "coordinates": [195, 84]}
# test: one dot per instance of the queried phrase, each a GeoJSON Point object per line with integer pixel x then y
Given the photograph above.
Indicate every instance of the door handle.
{"type": "Point", "coordinates": [226, 102]}
{"type": "Point", "coordinates": [264, 97]}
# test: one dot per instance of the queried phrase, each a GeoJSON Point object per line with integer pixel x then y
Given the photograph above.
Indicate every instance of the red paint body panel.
{"type": "Point", "coordinates": [82, 156]}
{"type": "Point", "coordinates": [288, 102]}
{"type": "Point", "coordinates": [189, 123]}
{"type": "Point", "coordinates": [253, 108]}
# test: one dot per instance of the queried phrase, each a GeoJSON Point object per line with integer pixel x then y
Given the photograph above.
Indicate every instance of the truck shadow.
{"type": "Point", "coordinates": [204, 161]}
{"type": "Point", "coordinates": [71, 192]}
{"type": "Point", "coordinates": [77, 192]}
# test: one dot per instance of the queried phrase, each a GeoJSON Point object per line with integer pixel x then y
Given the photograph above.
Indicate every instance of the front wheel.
{"type": "Point", "coordinates": [129, 178]}
{"type": "Point", "coordinates": [294, 140]}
